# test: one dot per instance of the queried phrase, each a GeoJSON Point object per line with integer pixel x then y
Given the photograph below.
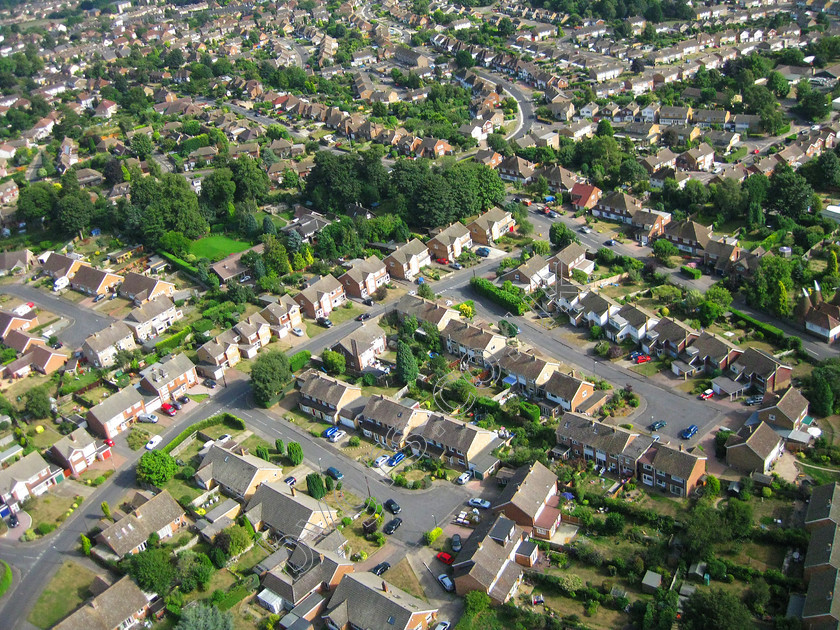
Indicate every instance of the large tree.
{"type": "Point", "coordinates": [37, 201]}
{"type": "Point", "coordinates": [269, 375]}
{"type": "Point", "coordinates": [151, 569]}
{"type": "Point", "coordinates": [715, 608]}
{"type": "Point", "coordinates": [251, 181]}
{"type": "Point", "coordinates": [204, 617]}
{"type": "Point", "coordinates": [407, 369]}
{"type": "Point", "coordinates": [156, 468]}
{"type": "Point", "coordinates": [789, 192]}
{"type": "Point", "coordinates": [37, 403]}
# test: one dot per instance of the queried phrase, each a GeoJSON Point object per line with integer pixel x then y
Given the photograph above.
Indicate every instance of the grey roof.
{"type": "Point", "coordinates": [168, 368]}
{"type": "Point", "coordinates": [524, 364]}
{"type": "Point", "coordinates": [487, 551]}
{"type": "Point", "coordinates": [325, 285]}
{"type": "Point", "coordinates": [368, 601]}
{"type": "Point", "coordinates": [21, 471]}
{"type": "Point", "coordinates": [325, 388]}
{"type": "Point", "coordinates": [528, 489]}
{"type": "Point", "coordinates": [792, 403]}
{"type": "Point", "coordinates": [360, 339]}
{"type": "Point", "coordinates": [138, 285]}
{"type": "Point", "coordinates": [107, 610]}
{"type": "Point", "coordinates": [274, 506]}
{"type": "Point", "coordinates": [107, 337]}
{"type": "Point", "coordinates": [452, 233]}
{"type": "Point", "coordinates": [452, 433]}
{"type": "Point", "coordinates": [570, 253]}
{"type": "Point", "coordinates": [761, 439]}
{"type": "Point", "coordinates": [673, 330]}
{"type": "Point", "coordinates": [611, 440]}
{"type": "Point", "coordinates": [594, 303]}
{"type": "Point", "coordinates": [824, 504]}
{"type": "Point", "coordinates": [634, 315]}
{"type": "Point", "coordinates": [405, 253]}
{"type": "Point", "coordinates": [135, 528]}
{"type": "Point", "coordinates": [674, 462]}
{"type": "Point", "coordinates": [824, 547]}
{"type": "Point", "coordinates": [563, 385]}
{"type": "Point", "coordinates": [389, 413]}
{"type": "Point", "coordinates": [820, 600]}
{"type": "Point", "coordinates": [424, 310]}
{"type": "Point", "coordinates": [149, 310]}
{"type": "Point", "coordinates": [90, 278]}
{"type": "Point", "coordinates": [468, 335]}
{"type": "Point", "coordinates": [76, 440]}
{"type": "Point", "coordinates": [708, 345]}
{"type": "Point", "coordinates": [59, 264]}
{"type": "Point", "coordinates": [116, 404]}
{"type": "Point", "coordinates": [755, 361]}
{"type": "Point", "coordinates": [233, 471]}
{"type": "Point", "coordinates": [361, 270]}
{"type": "Point", "coordinates": [301, 571]}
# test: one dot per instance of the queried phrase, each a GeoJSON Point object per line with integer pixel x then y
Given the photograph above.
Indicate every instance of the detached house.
{"type": "Point", "coordinates": [94, 281]}
{"type": "Point", "coordinates": [320, 298]}
{"type": "Point", "coordinates": [707, 353]}
{"type": "Point", "coordinates": [753, 369]}
{"type": "Point", "coordinates": [284, 512]}
{"type": "Point", "coordinates": [328, 399]}
{"type": "Point", "coordinates": [617, 206]}
{"type": "Point", "coordinates": [700, 158]}
{"type": "Point", "coordinates": [236, 475]}
{"type": "Point", "coordinates": [30, 476]}
{"type": "Point", "coordinates": [630, 321]}
{"type": "Point", "coordinates": [490, 226]}
{"type": "Point", "coordinates": [530, 500]}
{"type": "Point", "coordinates": [144, 289]}
{"type": "Point", "coordinates": [470, 342]}
{"type": "Point", "coordinates": [670, 337]}
{"type": "Point", "coordinates": [450, 242]}
{"type": "Point", "coordinates": [787, 411]}
{"type": "Point", "coordinates": [365, 277]}
{"type": "Point", "coordinates": [584, 196]}
{"type": "Point", "coordinates": [407, 260]}
{"type": "Point", "coordinates": [61, 266]}
{"type": "Point", "coordinates": [101, 348]}
{"type": "Point", "coordinates": [531, 275]}
{"type": "Point", "coordinates": [570, 258]}
{"type": "Point", "coordinates": [121, 606]}
{"type": "Point", "coordinates": [168, 379]}
{"type": "Point", "coordinates": [78, 450]}
{"type": "Point", "coordinates": [689, 236]}
{"type": "Point", "coordinates": [516, 169]}
{"type": "Point", "coordinates": [362, 347]}
{"type": "Point", "coordinates": [282, 315]}
{"type": "Point", "coordinates": [424, 310]}
{"type": "Point", "coordinates": [159, 515]}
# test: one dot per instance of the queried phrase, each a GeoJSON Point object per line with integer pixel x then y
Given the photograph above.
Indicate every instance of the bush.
{"type": "Point", "coordinates": [354, 441]}
{"type": "Point", "coordinates": [529, 411]}
{"type": "Point", "coordinates": [773, 333]}
{"type": "Point", "coordinates": [691, 272]}
{"type": "Point", "coordinates": [44, 528]}
{"type": "Point", "coordinates": [432, 535]}
{"type": "Point", "coordinates": [299, 360]}
{"type": "Point", "coordinates": [507, 300]}
{"type": "Point", "coordinates": [173, 341]}
{"type": "Point", "coordinates": [6, 578]}
{"type": "Point", "coordinates": [223, 418]}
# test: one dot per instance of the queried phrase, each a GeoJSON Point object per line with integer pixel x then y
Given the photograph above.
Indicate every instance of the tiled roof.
{"type": "Point", "coordinates": [233, 471]}
{"type": "Point", "coordinates": [135, 528]}
{"type": "Point", "coordinates": [109, 609]}
{"type": "Point", "coordinates": [674, 462]}
{"type": "Point", "coordinates": [824, 504]}
{"type": "Point", "coordinates": [528, 489]}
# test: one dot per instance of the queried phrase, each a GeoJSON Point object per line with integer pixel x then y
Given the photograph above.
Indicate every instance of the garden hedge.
{"type": "Point", "coordinates": [173, 341]}
{"type": "Point", "coordinates": [507, 300]}
{"type": "Point", "coordinates": [299, 360]}
{"type": "Point", "coordinates": [691, 272]}
{"type": "Point", "coordinates": [183, 265]}
{"type": "Point", "coordinates": [223, 418]}
{"type": "Point", "coordinates": [769, 331]}
{"type": "Point", "coordinates": [6, 578]}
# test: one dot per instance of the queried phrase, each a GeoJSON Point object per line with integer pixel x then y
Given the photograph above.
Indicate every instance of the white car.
{"type": "Point", "coordinates": [380, 461]}
{"type": "Point", "coordinates": [151, 444]}
{"type": "Point", "coordinates": [148, 417]}
{"type": "Point", "coordinates": [335, 437]}
{"type": "Point", "coordinates": [298, 331]}
{"type": "Point", "coordinates": [479, 503]}
{"type": "Point", "coordinates": [443, 625]}
{"type": "Point", "coordinates": [446, 582]}
{"type": "Point", "coordinates": [224, 438]}
{"type": "Point", "coordinates": [463, 478]}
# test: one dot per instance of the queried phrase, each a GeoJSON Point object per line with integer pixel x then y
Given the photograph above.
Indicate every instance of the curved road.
{"type": "Point", "coordinates": [526, 107]}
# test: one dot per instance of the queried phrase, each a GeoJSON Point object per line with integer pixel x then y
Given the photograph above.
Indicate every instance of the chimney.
{"type": "Point", "coordinates": [72, 437]}
{"type": "Point", "coordinates": [384, 586]}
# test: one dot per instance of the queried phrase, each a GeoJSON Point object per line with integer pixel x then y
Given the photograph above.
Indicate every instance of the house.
{"type": "Point", "coordinates": [584, 196]}
{"type": "Point", "coordinates": [10, 322]}
{"type": "Point", "coordinates": [116, 413]}
{"type": "Point", "coordinates": [94, 281]}
{"type": "Point", "coordinates": [566, 392]}
{"type": "Point", "coordinates": [362, 347]}
{"type": "Point", "coordinates": [490, 226]}
{"type": "Point", "coordinates": [664, 158]}
{"type": "Point", "coordinates": [61, 266]}
{"type": "Point", "coordinates": [669, 337]}
{"type": "Point", "coordinates": [152, 318]}
{"type": "Point", "coordinates": [427, 311]}
{"type": "Point", "coordinates": [589, 309]}
{"type": "Point", "coordinates": [168, 379]}
{"type": "Point", "coordinates": [365, 277]}
{"type": "Point", "coordinates": [786, 411]}
{"type": "Point", "coordinates": [824, 507]}
{"type": "Point", "coordinates": [470, 342]}
{"type": "Point", "coordinates": [700, 158]}
{"type": "Point", "coordinates": [142, 288]}
{"type": "Point", "coordinates": [101, 348]}
{"type": "Point", "coordinates": [450, 242]}
{"type": "Point", "coordinates": [823, 550]}
{"type": "Point", "coordinates": [614, 448]}
{"type": "Point", "coordinates": [559, 179]}
{"type": "Point", "coordinates": [630, 321]}
{"type": "Point", "coordinates": [406, 261]}
{"type": "Point", "coordinates": [526, 372]}
{"type": "Point", "coordinates": [20, 261]}
{"type": "Point", "coordinates": [231, 267]}
{"type": "Point", "coordinates": [326, 398]}
{"type": "Point", "coordinates": [533, 274]}
{"type": "Point", "coordinates": [671, 470]}
{"type": "Point", "coordinates": [43, 359]}
{"type": "Point", "coordinates": [530, 500]}
{"type": "Point", "coordinates": [283, 511]}
{"type": "Point", "coordinates": [320, 298]}
{"type": "Point", "coordinates": [516, 169]}
{"type": "Point", "coordinates": [675, 115]}
{"type": "Point", "coordinates": [120, 606]}
{"type": "Point", "coordinates": [30, 476]}
{"type": "Point", "coordinates": [219, 354]}
{"type": "Point", "coordinates": [237, 475]}
{"type": "Point", "coordinates": [491, 560]}
{"type": "Point", "coordinates": [363, 600]}
{"type": "Point", "coordinates": [282, 315]}
{"type": "Point", "coordinates": [689, 236]}
{"type": "Point", "coordinates": [22, 341]}
{"type": "Point", "coordinates": [617, 206]}
{"type": "Point", "coordinates": [78, 450]}
{"type": "Point", "coordinates": [457, 443]}
{"type": "Point", "coordinates": [719, 256]}
{"type": "Point", "coordinates": [755, 448]}
{"type": "Point", "coordinates": [822, 608]}
{"type": "Point", "coordinates": [571, 258]}
{"type": "Point", "coordinates": [9, 193]}
{"type": "Point", "coordinates": [757, 369]}
{"type": "Point", "coordinates": [707, 117]}
{"type": "Point", "coordinates": [389, 422]}
{"type": "Point", "coordinates": [105, 109]}
{"type": "Point", "coordinates": [708, 354]}
{"type": "Point", "coordinates": [159, 514]}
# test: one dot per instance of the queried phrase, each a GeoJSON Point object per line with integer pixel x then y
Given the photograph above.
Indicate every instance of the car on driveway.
{"type": "Point", "coordinates": [446, 582]}
{"type": "Point", "coordinates": [297, 331]}
{"type": "Point", "coordinates": [183, 400]}
{"type": "Point", "coordinates": [479, 503]}
{"type": "Point", "coordinates": [689, 432]}
{"type": "Point", "coordinates": [380, 461]}
{"type": "Point", "coordinates": [754, 400]}
{"type": "Point", "coordinates": [290, 481]}
{"type": "Point", "coordinates": [636, 353]}
{"type": "Point", "coordinates": [224, 438]}
{"type": "Point", "coordinates": [442, 625]}
{"type": "Point", "coordinates": [109, 441]}
{"type": "Point", "coordinates": [455, 543]}
{"type": "Point", "coordinates": [335, 437]}
{"type": "Point", "coordinates": [13, 521]}
{"type": "Point", "coordinates": [484, 252]}
{"type": "Point", "coordinates": [335, 473]}
{"type": "Point", "coordinates": [395, 459]}
{"type": "Point", "coordinates": [392, 506]}
{"type": "Point", "coordinates": [392, 526]}
{"type": "Point", "coordinates": [656, 425]}
{"type": "Point", "coordinates": [643, 358]}
{"type": "Point", "coordinates": [380, 568]}
{"type": "Point", "coordinates": [151, 444]}
{"type": "Point", "coordinates": [177, 405]}
{"type": "Point", "coordinates": [442, 261]}
{"type": "Point", "coordinates": [329, 432]}
{"type": "Point", "coordinates": [363, 317]}
{"type": "Point", "coordinates": [446, 558]}
{"type": "Point", "coordinates": [707, 394]}
{"type": "Point", "coordinates": [457, 266]}
{"type": "Point", "coordinates": [168, 409]}
{"type": "Point", "coordinates": [325, 322]}
{"type": "Point", "coordinates": [148, 418]}
{"type": "Point", "coordinates": [209, 383]}
{"type": "Point", "coordinates": [463, 478]}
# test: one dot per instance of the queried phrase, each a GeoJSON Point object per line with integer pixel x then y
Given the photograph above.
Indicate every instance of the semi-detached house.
{"type": "Point", "coordinates": [30, 476]}
{"type": "Point", "coordinates": [530, 499]}
{"type": "Point", "coordinates": [101, 348]}
{"type": "Point", "coordinates": [365, 277]}
{"type": "Point", "coordinates": [406, 261]}
{"type": "Point", "coordinates": [322, 297]}
{"type": "Point", "coordinates": [159, 515]}
{"type": "Point", "coordinates": [237, 475]}
{"type": "Point", "coordinates": [153, 318]}
{"type": "Point", "coordinates": [328, 399]}
{"type": "Point", "coordinates": [489, 227]}
{"type": "Point", "coordinates": [450, 242]}
{"type": "Point", "coordinates": [142, 289]}
{"type": "Point", "coordinates": [168, 379]}
{"type": "Point", "coordinates": [116, 413]}
{"type": "Point", "coordinates": [472, 343]}
{"type": "Point", "coordinates": [362, 347]}
{"type": "Point", "coordinates": [389, 422]}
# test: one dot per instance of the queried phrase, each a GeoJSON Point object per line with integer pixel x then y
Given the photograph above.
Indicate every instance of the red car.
{"type": "Point", "coordinates": [168, 409]}
{"type": "Point", "coordinates": [643, 358]}
{"type": "Point", "coordinates": [109, 441]}
{"type": "Point", "coordinates": [707, 394]}
{"type": "Point", "coordinates": [445, 557]}
{"type": "Point", "coordinates": [443, 261]}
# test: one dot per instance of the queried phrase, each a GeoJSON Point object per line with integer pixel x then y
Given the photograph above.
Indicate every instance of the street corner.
{"type": "Point", "coordinates": [14, 534]}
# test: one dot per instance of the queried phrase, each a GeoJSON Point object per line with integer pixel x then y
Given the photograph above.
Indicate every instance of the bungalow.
{"type": "Point", "coordinates": [450, 242]}
{"type": "Point", "coordinates": [320, 298]}
{"type": "Point", "coordinates": [406, 261]}
{"type": "Point", "coordinates": [389, 422]}
{"type": "Point", "coordinates": [159, 514]}
{"type": "Point", "coordinates": [120, 606]}
{"type": "Point", "coordinates": [365, 277]}
{"type": "Point", "coordinates": [754, 449]}
{"type": "Point", "coordinates": [231, 267]}
{"type": "Point", "coordinates": [30, 476]}
{"type": "Point", "coordinates": [39, 357]}
{"type": "Point", "coordinates": [61, 266]}
{"type": "Point", "coordinates": [10, 322]}
{"type": "Point", "coordinates": [236, 475]}
{"type": "Point", "coordinates": [116, 413]}
{"type": "Point", "coordinates": [21, 261]}
{"type": "Point", "coordinates": [95, 281]}
{"type": "Point", "coordinates": [101, 348]}
{"type": "Point", "coordinates": [470, 342]}
{"type": "Point", "coordinates": [426, 311]}
{"type": "Point", "coordinates": [487, 228]}
{"type": "Point", "coordinates": [530, 500]}
{"type": "Point", "coordinates": [141, 288]}
{"type": "Point", "coordinates": [282, 315]}
{"type": "Point", "coordinates": [281, 510]}
{"type": "Point", "coordinates": [362, 347]}
{"type": "Point", "coordinates": [78, 450]}
{"type": "Point", "coordinates": [152, 318]}
{"type": "Point", "coordinates": [327, 399]}
{"type": "Point", "coordinates": [533, 274]}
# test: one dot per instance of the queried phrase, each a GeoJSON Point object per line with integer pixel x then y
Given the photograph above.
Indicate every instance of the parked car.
{"type": "Point", "coordinates": [636, 353]}
{"type": "Point", "coordinates": [392, 526]}
{"type": "Point", "coordinates": [380, 461]}
{"type": "Point", "coordinates": [183, 400]}
{"type": "Point", "coordinates": [151, 444]}
{"type": "Point", "coordinates": [168, 409]}
{"type": "Point", "coordinates": [380, 568]}
{"type": "Point", "coordinates": [455, 543]}
{"type": "Point", "coordinates": [446, 558]}
{"type": "Point", "coordinates": [392, 506]}
{"type": "Point", "coordinates": [109, 441]}
{"type": "Point", "coordinates": [442, 625]}
{"type": "Point", "coordinates": [329, 432]}
{"type": "Point", "coordinates": [657, 425]}
{"type": "Point", "coordinates": [446, 582]}
{"type": "Point", "coordinates": [363, 317]}
{"type": "Point", "coordinates": [643, 358]}
{"type": "Point", "coordinates": [148, 418]}
{"type": "Point", "coordinates": [325, 322]}
{"type": "Point", "coordinates": [209, 383]}
{"type": "Point", "coordinates": [610, 242]}
{"type": "Point", "coordinates": [395, 459]}
{"type": "Point", "coordinates": [178, 406]}
{"type": "Point", "coordinates": [99, 298]}
{"type": "Point", "coordinates": [463, 478]}
{"type": "Point", "coordinates": [479, 503]}
{"type": "Point", "coordinates": [13, 521]}
{"type": "Point", "coordinates": [483, 251]}
{"type": "Point", "coordinates": [224, 438]}
{"type": "Point", "coordinates": [297, 331]}
{"type": "Point", "coordinates": [335, 473]}
{"type": "Point", "coordinates": [689, 432]}
{"type": "Point", "coordinates": [335, 437]}
{"type": "Point", "coordinates": [442, 261]}
{"type": "Point", "coordinates": [707, 394]}
{"type": "Point", "coordinates": [290, 481]}
{"type": "Point", "coordinates": [457, 266]}
{"type": "Point", "coordinates": [754, 400]}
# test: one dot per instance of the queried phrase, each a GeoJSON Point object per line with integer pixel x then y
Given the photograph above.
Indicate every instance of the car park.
{"type": "Point", "coordinates": [148, 418]}
{"type": "Point", "coordinates": [689, 432]}
{"type": "Point", "coordinates": [329, 432]}
{"type": "Point", "coordinates": [463, 478]}
{"type": "Point", "coordinates": [657, 425]}
{"type": "Point", "coordinates": [455, 543]}
{"type": "Point", "coordinates": [290, 481]}
{"type": "Point", "coordinates": [707, 394]}
{"type": "Point", "coordinates": [335, 437]}
{"type": "Point", "coordinates": [446, 558]}
{"type": "Point", "coordinates": [392, 526]}
{"type": "Point", "coordinates": [380, 461]}
{"type": "Point", "coordinates": [395, 459]}
{"type": "Point", "coordinates": [335, 473]}
{"type": "Point", "coordinates": [380, 568]}
{"type": "Point", "coordinates": [392, 506]}
{"type": "Point", "coordinates": [479, 503]}
{"type": "Point", "coordinates": [363, 317]}
{"type": "Point", "coordinates": [168, 409]}
{"type": "Point", "coordinates": [151, 444]}
{"type": "Point", "coordinates": [446, 582]}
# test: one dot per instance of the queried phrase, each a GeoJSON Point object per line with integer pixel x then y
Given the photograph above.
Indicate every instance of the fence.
{"type": "Point", "coordinates": [597, 284]}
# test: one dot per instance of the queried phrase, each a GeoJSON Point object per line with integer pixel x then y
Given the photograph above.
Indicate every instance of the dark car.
{"type": "Point", "coordinates": [325, 322]}
{"type": "Point", "coordinates": [290, 481]}
{"type": "Point", "coordinates": [657, 425]}
{"type": "Point", "coordinates": [13, 521]}
{"type": "Point", "coordinates": [183, 400]}
{"type": "Point", "coordinates": [367, 302]}
{"type": "Point", "coordinates": [363, 317]}
{"type": "Point", "coordinates": [456, 543]}
{"type": "Point", "coordinates": [392, 526]}
{"type": "Point", "coordinates": [392, 506]}
{"type": "Point", "coordinates": [209, 383]}
{"type": "Point", "coordinates": [99, 298]}
{"type": "Point", "coordinates": [690, 432]}
{"type": "Point", "coordinates": [610, 242]}
{"type": "Point", "coordinates": [178, 406]}
{"type": "Point", "coordinates": [380, 568]}
{"type": "Point", "coordinates": [335, 473]}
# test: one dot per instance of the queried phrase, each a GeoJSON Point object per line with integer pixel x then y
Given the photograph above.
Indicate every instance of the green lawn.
{"type": "Point", "coordinates": [337, 316]}
{"type": "Point", "coordinates": [66, 591]}
{"type": "Point", "coordinates": [648, 369]}
{"type": "Point", "coordinates": [217, 247]}
{"type": "Point", "coordinates": [48, 508]}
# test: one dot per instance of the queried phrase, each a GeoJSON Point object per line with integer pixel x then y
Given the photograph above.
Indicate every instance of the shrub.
{"type": "Point", "coordinates": [354, 441]}
{"type": "Point", "coordinates": [44, 528]}
{"type": "Point", "coordinates": [6, 578]}
{"type": "Point", "coordinates": [173, 341]}
{"type": "Point", "coordinates": [770, 331]}
{"type": "Point", "coordinates": [346, 521]}
{"type": "Point", "coordinates": [530, 411]}
{"type": "Point", "coordinates": [431, 536]}
{"type": "Point", "coordinates": [299, 360]}
{"type": "Point", "coordinates": [691, 272]}
{"type": "Point", "coordinates": [507, 300]}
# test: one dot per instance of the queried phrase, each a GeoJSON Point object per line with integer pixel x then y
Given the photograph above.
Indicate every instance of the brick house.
{"type": "Point", "coordinates": [689, 236]}
{"type": "Point", "coordinates": [30, 476]}
{"type": "Point", "coordinates": [786, 411]}
{"type": "Point", "coordinates": [159, 515]}
{"type": "Point", "coordinates": [142, 289]}
{"type": "Point", "coordinates": [78, 450]}
{"type": "Point", "coordinates": [320, 298]}
{"type": "Point", "coordinates": [755, 448]}
{"type": "Point", "coordinates": [152, 318]}
{"type": "Point", "coordinates": [120, 606]}
{"type": "Point", "coordinates": [95, 281]}
{"type": "Point", "coordinates": [169, 378]}
{"type": "Point", "coordinates": [282, 315]}
{"type": "Point", "coordinates": [390, 422]}
{"type": "Point", "coordinates": [475, 344]}
{"type": "Point", "coordinates": [326, 398]}
{"type": "Point", "coordinates": [630, 321]}
{"type": "Point", "coordinates": [407, 260]}
{"type": "Point", "coordinates": [285, 512]}
{"type": "Point", "coordinates": [450, 242]}
{"type": "Point", "coordinates": [101, 348]}
{"type": "Point", "coordinates": [530, 500]}
{"type": "Point", "coordinates": [362, 347]}
{"type": "Point", "coordinates": [457, 444]}
{"type": "Point", "coordinates": [365, 277]}
{"type": "Point", "coordinates": [584, 196]}
{"type": "Point", "coordinates": [116, 413]}
{"type": "Point", "coordinates": [487, 228]}
{"type": "Point", "coordinates": [571, 257]}
{"type": "Point", "coordinates": [671, 470]}
{"type": "Point", "coordinates": [757, 369]}
{"type": "Point", "coordinates": [426, 311]}
{"type": "Point", "coordinates": [237, 475]}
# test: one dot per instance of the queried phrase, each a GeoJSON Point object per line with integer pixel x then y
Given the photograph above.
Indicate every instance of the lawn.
{"type": "Point", "coordinates": [48, 508]}
{"type": "Point", "coordinates": [198, 397]}
{"type": "Point", "coordinates": [183, 491]}
{"type": "Point", "coordinates": [402, 576]}
{"type": "Point", "coordinates": [305, 422]}
{"type": "Point", "coordinates": [66, 591]}
{"type": "Point", "coordinates": [247, 560]}
{"type": "Point", "coordinates": [648, 369]}
{"type": "Point", "coordinates": [222, 580]}
{"type": "Point", "coordinates": [338, 316]}
{"type": "Point", "coordinates": [45, 438]}
{"type": "Point", "coordinates": [217, 247]}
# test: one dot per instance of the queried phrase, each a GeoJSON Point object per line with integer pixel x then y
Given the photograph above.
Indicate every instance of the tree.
{"type": "Point", "coordinates": [86, 544]}
{"type": "Point", "coordinates": [156, 468]}
{"type": "Point", "coordinates": [464, 59]}
{"type": "Point", "coordinates": [781, 302]}
{"type": "Point", "coordinates": [789, 193]}
{"type": "Point", "coordinates": [268, 226]}
{"type": "Point", "coordinates": [204, 617]}
{"type": "Point", "coordinates": [334, 362]}
{"type": "Point", "coordinates": [218, 190]}
{"type": "Point", "coordinates": [820, 394]}
{"type": "Point", "coordinates": [295, 453]}
{"type": "Point", "coordinates": [739, 516]}
{"type": "Point", "coordinates": [462, 390]}
{"type": "Point", "coordinates": [37, 403]}
{"type": "Point", "coordinates": [152, 570]}
{"type": "Point", "coordinates": [74, 212]}
{"type": "Point", "coordinates": [831, 267]}
{"type": "Point", "coordinates": [106, 510]}
{"type": "Point", "coordinates": [720, 295]}
{"type": "Point", "coordinates": [476, 602]}
{"type": "Point", "coordinates": [315, 486]}
{"type": "Point", "coordinates": [280, 447]}
{"type": "Point", "coordinates": [561, 235]}
{"type": "Point", "coordinates": [663, 250]}
{"type": "Point", "coordinates": [329, 483]}
{"type": "Point", "coordinates": [194, 570]}
{"type": "Point", "coordinates": [715, 608]}
{"type": "Point", "coordinates": [814, 106]}
{"type": "Point", "coordinates": [251, 181]}
{"type": "Point", "coordinates": [142, 146]}
{"type": "Point", "coordinates": [37, 201]}
{"type": "Point", "coordinates": [712, 486]}
{"type": "Point", "coordinates": [233, 540]}
{"type": "Point", "coordinates": [269, 375]}
{"type": "Point", "coordinates": [605, 128]}
{"type": "Point", "coordinates": [406, 370]}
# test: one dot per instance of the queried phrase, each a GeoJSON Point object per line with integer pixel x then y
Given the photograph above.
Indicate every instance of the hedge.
{"type": "Point", "coordinates": [507, 300]}
{"type": "Point", "coordinates": [432, 535]}
{"type": "Point", "coordinates": [223, 418]}
{"type": "Point", "coordinates": [485, 404]}
{"type": "Point", "coordinates": [299, 360]}
{"type": "Point", "coordinates": [776, 334]}
{"type": "Point", "coordinates": [178, 263]}
{"type": "Point", "coordinates": [530, 411]}
{"type": "Point", "coordinates": [6, 578]}
{"type": "Point", "coordinates": [173, 341]}
{"type": "Point", "coordinates": [691, 272]}
{"type": "Point", "coordinates": [196, 142]}
{"type": "Point", "coordinates": [237, 593]}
